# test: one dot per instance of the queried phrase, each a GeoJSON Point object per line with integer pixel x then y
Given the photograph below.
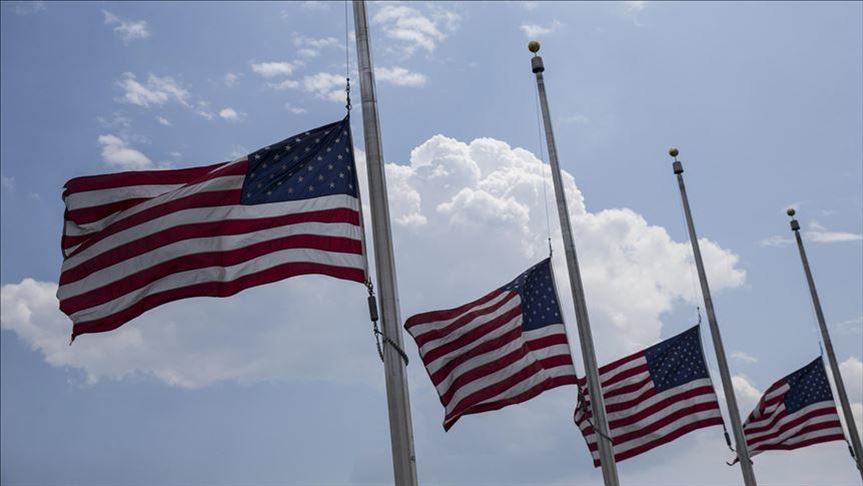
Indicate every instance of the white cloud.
{"type": "Point", "coordinates": [117, 153]}
{"type": "Point", "coordinates": [312, 5]}
{"type": "Point", "coordinates": [297, 110]}
{"type": "Point", "coordinates": [634, 6]}
{"type": "Point", "coordinates": [450, 199]}
{"type": "Point", "coordinates": [578, 119]}
{"type": "Point", "coordinates": [230, 114]}
{"type": "Point", "coordinates": [163, 121]}
{"type": "Point", "coordinates": [744, 357]}
{"type": "Point", "coordinates": [311, 47]}
{"type": "Point", "coordinates": [850, 326]}
{"type": "Point", "coordinates": [327, 86]}
{"type": "Point", "coordinates": [536, 30]}
{"type": "Point", "coordinates": [820, 234]}
{"type": "Point", "coordinates": [852, 376]}
{"type": "Point", "coordinates": [747, 395]}
{"type": "Point", "coordinates": [286, 84]}
{"type": "Point", "coordinates": [231, 79]}
{"type": "Point", "coordinates": [273, 69]}
{"type": "Point", "coordinates": [7, 183]}
{"type": "Point", "coordinates": [28, 7]}
{"type": "Point", "coordinates": [413, 29]}
{"type": "Point", "coordinates": [399, 76]}
{"type": "Point", "coordinates": [156, 91]}
{"type": "Point", "coordinates": [776, 241]}
{"type": "Point", "coordinates": [528, 5]}
{"type": "Point", "coordinates": [127, 30]}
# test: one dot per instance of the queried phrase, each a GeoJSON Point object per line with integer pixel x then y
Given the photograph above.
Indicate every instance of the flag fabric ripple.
{"type": "Point", "coordinates": [135, 240]}
{"type": "Point", "coordinates": [652, 397]}
{"type": "Point", "coordinates": [504, 348]}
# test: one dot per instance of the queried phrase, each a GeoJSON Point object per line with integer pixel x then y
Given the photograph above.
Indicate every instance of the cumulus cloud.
{"type": "Point", "coordinates": [7, 183]}
{"type": "Point", "coordinates": [230, 114]}
{"type": "Point", "coordinates": [820, 234]}
{"type": "Point", "coordinates": [117, 153]}
{"type": "Point", "coordinates": [467, 217]}
{"type": "Point", "coordinates": [634, 6]}
{"type": "Point", "coordinates": [155, 91]}
{"type": "Point", "coordinates": [413, 29]}
{"type": "Point", "coordinates": [297, 110]}
{"type": "Point", "coordinates": [28, 7]}
{"type": "Point", "coordinates": [747, 395]}
{"type": "Point", "coordinates": [537, 30]}
{"type": "Point", "coordinates": [127, 30]}
{"type": "Point", "coordinates": [163, 121]}
{"type": "Point", "coordinates": [852, 376]}
{"type": "Point", "coordinates": [273, 69]}
{"type": "Point", "coordinates": [326, 86]}
{"type": "Point", "coordinates": [400, 76]}
{"type": "Point", "coordinates": [744, 357]}
{"type": "Point", "coordinates": [231, 79]}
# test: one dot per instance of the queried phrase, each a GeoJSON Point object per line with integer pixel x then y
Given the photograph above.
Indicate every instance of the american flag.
{"type": "Point", "coordinates": [503, 348]}
{"type": "Point", "coordinates": [797, 411]}
{"type": "Point", "coordinates": [652, 397]}
{"type": "Point", "coordinates": [135, 240]}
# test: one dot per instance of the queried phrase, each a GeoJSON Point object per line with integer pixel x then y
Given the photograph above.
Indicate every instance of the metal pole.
{"type": "Point", "coordinates": [727, 386]}
{"type": "Point", "coordinates": [828, 346]}
{"type": "Point", "coordinates": [398, 401]}
{"type": "Point", "coordinates": [600, 424]}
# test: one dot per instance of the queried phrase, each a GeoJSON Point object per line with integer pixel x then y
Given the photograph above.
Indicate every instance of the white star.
{"type": "Point", "coordinates": [338, 140]}
{"type": "Point", "coordinates": [287, 147]}
{"type": "Point", "coordinates": [342, 175]}
{"type": "Point", "coordinates": [297, 139]}
{"type": "Point", "coordinates": [300, 178]}
{"type": "Point", "coordinates": [311, 188]}
{"type": "Point", "coordinates": [329, 149]}
{"type": "Point", "coordinates": [320, 158]}
{"type": "Point", "coordinates": [321, 177]}
{"type": "Point", "coordinates": [264, 165]}
{"type": "Point", "coordinates": [330, 166]}
{"type": "Point", "coordinates": [311, 167]}
{"type": "Point", "coordinates": [290, 190]}
{"type": "Point", "coordinates": [340, 156]}
{"type": "Point", "coordinates": [257, 156]}
{"type": "Point", "coordinates": [332, 184]}
{"type": "Point", "coordinates": [307, 149]}
{"type": "Point", "coordinates": [317, 140]}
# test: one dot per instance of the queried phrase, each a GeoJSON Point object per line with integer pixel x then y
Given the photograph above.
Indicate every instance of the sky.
{"type": "Point", "coordinates": [281, 384]}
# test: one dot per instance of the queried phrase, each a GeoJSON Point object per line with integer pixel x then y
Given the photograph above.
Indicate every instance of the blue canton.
{"type": "Point", "coordinates": [677, 360]}
{"type": "Point", "coordinates": [539, 304]}
{"type": "Point", "coordinates": [808, 385]}
{"type": "Point", "coordinates": [316, 163]}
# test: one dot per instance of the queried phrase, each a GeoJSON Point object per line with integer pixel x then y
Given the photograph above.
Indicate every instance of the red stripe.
{"type": "Point", "coordinates": [502, 386]}
{"type": "Point", "coordinates": [752, 440]}
{"type": "Point", "coordinates": [135, 281]}
{"type": "Point", "coordinates": [482, 371]}
{"type": "Point", "coordinates": [663, 422]}
{"type": "Point", "coordinates": [803, 443]}
{"type": "Point", "coordinates": [652, 409]}
{"type": "Point", "coordinates": [628, 388]}
{"type": "Point", "coordinates": [216, 289]}
{"type": "Point", "coordinates": [95, 213]}
{"type": "Point", "coordinates": [483, 348]}
{"type": "Point", "coordinates": [218, 228]}
{"type": "Point", "coordinates": [547, 384]}
{"type": "Point", "coordinates": [445, 315]}
{"type": "Point", "coordinates": [774, 418]}
{"type": "Point", "coordinates": [661, 440]}
{"type": "Point", "coordinates": [137, 178]}
{"type": "Point", "coordinates": [546, 341]}
{"type": "Point", "coordinates": [196, 200]}
{"type": "Point", "coordinates": [435, 334]}
{"type": "Point", "coordinates": [628, 373]}
{"type": "Point", "coordinates": [622, 361]}
{"type": "Point", "coordinates": [471, 336]}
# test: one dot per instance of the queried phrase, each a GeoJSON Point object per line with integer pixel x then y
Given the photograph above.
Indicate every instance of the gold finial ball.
{"type": "Point", "coordinates": [673, 151]}
{"type": "Point", "coordinates": [533, 46]}
{"type": "Point", "coordinates": [791, 212]}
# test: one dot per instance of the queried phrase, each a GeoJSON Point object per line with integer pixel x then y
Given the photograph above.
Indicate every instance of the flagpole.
{"type": "Point", "coordinates": [585, 338]}
{"type": "Point", "coordinates": [828, 346]}
{"type": "Point", "coordinates": [727, 385]}
{"type": "Point", "coordinates": [398, 400]}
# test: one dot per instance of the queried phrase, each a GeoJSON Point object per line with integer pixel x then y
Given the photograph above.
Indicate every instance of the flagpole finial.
{"type": "Point", "coordinates": [673, 152]}
{"type": "Point", "coordinates": [795, 226]}
{"type": "Point", "coordinates": [791, 212]}
{"type": "Point", "coordinates": [533, 46]}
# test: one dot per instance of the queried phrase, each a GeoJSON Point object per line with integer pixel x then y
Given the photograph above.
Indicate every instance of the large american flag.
{"type": "Point", "coordinates": [652, 397]}
{"type": "Point", "coordinates": [503, 348]}
{"type": "Point", "coordinates": [795, 412]}
{"type": "Point", "coordinates": [135, 240]}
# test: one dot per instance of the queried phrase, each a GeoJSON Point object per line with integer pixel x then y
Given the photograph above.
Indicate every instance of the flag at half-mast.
{"type": "Point", "coordinates": [652, 397]}
{"type": "Point", "coordinates": [504, 348]}
{"type": "Point", "coordinates": [135, 240]}
{"type": "Point", "coordinates": [796, 411]}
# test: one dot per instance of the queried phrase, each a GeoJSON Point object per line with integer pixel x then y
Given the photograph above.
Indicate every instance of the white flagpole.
{"type": "Point", "coordinates": [828, 347]}
{"type": "Point", "coordinates": [398, 401]}
{"type": "Point", "coordinates": [727, 386]}
{"type": "Point", "coordinates": [585, 338]}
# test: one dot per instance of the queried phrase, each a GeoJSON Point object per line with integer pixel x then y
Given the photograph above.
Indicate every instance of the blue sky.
{"type": "Point", "coordinates": [280, 386]}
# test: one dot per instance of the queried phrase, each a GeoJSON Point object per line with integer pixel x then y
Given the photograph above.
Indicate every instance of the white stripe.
{"type": "Point", "coordinates": [225, 183]}
{"type": "Point", "coordinates": [98, 197]}
{"type": "Point", "coordinates": [814, 434]}
{"type": "Point", "coordinates": [789, 435]}
{"type": "Point", "coordinates": [629, 396]}
{"type": "Point", "coordinates": [214, 214]}
{"type": "Point", "coordinates": [678, 390]}
{"type": "Point", "coordinates": [523, 386]}
{"type": "Point", "coordinates": [489, 380]}
{"type": "Point", "coordinates": [626, 382]}
{"type": "Point", "coordinates": [777, 408]}
{"type": "Point", "coordinates": [420, 329]}
{"type": "Point", "coordinates": [193, 246]}
{"type": "Point", "coordinates": [434, 366]}
{"type": "Point", "coordinates": [658, 434]}
{"type": "Point", "coordinates": [219, 274]}
{"type": "Point", "coordinates": [473, 363]}
{"type": "Point", "coordinates": [608, 375]}
{"type": "Point", "coordinates": [513, 302]}
{"type": "Point", "coordinates": [754, 437]}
